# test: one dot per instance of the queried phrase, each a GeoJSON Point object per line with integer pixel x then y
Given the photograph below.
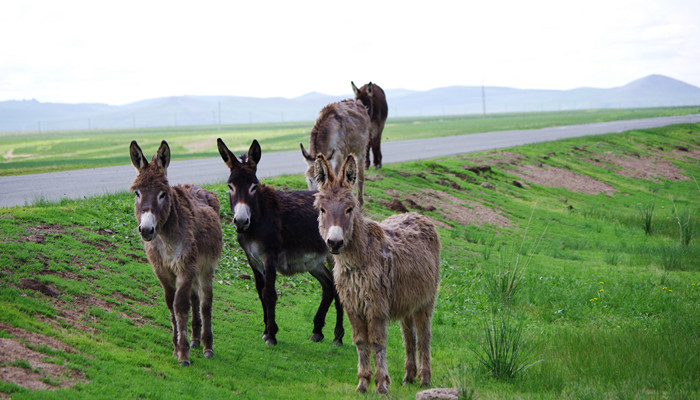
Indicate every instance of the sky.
{"type": "Point", "coordinates": [118, 52]}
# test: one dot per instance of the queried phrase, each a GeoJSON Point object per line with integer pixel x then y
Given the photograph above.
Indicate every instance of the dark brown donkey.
{"type": "Point", "coordinates": [182, 236]}
{"type": "Point", "coordinates": [372, 96]}
{"type": "Point", "coordinates": [279, 233]}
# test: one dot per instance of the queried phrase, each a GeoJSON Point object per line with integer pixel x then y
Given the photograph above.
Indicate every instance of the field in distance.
{"type": "Point", "coordinates": [50, 151]}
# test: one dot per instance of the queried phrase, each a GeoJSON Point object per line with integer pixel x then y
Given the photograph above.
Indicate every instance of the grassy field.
{"type": "Point", "coordinates": [27, 153]}
{"type": "Point", "coordinates": [586, 248]}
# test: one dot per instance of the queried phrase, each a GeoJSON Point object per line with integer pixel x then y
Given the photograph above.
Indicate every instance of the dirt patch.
{"type": "Point", "coordinates": [650, 168]}
{"type": "Point", "coordinates": [559, 177]}
{"type": "Point", "coordinates": [30, 369]}
{"type": "Point", "coordinates": [10, 155]}
{"type": "Point", "coordinates": [453, 209]}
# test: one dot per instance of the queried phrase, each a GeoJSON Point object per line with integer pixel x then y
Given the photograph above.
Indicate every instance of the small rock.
{"type": "Point", "coordinates": [517, 184]}
{"type": "Point", "coordinates": [487, 185]}
{"type": "Point", "coordinates": [438, 394]}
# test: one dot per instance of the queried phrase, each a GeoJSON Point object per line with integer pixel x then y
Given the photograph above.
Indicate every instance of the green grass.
{"type": "Point", "coordinates": [608, 310]}
{"type": "Point", "coordinates": [36, 152]}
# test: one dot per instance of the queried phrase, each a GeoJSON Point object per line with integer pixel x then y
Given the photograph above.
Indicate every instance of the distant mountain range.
{"type": "Point", "coordinates": [31, 115]}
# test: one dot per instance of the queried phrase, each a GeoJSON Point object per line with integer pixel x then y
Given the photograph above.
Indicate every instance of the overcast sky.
{"type": "Point", "coordinates": [117, 52]}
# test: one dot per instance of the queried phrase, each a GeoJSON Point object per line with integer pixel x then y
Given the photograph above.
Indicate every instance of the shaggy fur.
{"type": "Point", "coordinates": [183, 240]}
{"type": "Point", "coordinates": [279, 233]}
{"type": "Point", "coordinates": [386, 270]}
{"type": "Point", "coordinates": [372, 96]}
{"type": "Point", "coordinates": [341, 129]}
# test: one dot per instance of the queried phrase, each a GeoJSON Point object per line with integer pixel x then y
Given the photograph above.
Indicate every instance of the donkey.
{"type": "Point", "coordinates": [372, 96]}
{"type": "Point", "coordinates": [341, 129]}
{"type": "Point", "coordinates": [386, 270]}
{"type": "Point", "coordinates": [278, 232]}
{"type": "Point", "coordinates": [182, 237]}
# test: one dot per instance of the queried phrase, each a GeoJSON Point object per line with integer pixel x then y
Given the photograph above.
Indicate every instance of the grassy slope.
{"type": "Point", "coordinates": [56, 151]}
{"type": "Point", "coordinates": [639, 339]}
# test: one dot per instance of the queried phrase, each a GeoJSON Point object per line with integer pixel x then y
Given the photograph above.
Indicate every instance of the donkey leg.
{"type": "Point", "coordinates": [182, 310]}
{"type": "Point", "coordinates": [269, 297]}
{"type": "Point", "coordinates": [367, 155]}
{"type": "Point", "coordinates": [377, 337]}
{"type": "Point", "coordinates": [196, 320]}
{"type": "Point", "coordinates": [169, 293]}
{"type": "Point", "coordinates": [339, 330]}
{"type": "Point", "coordinates": [377, 151]}
{"type": "Point", "coordinates": [360, 183]}
{"type": "Point", "coordinates": [409, 340]}
{"type": "Point", "coordinates": [321, 275]}
{"type": "Point", "coordinates": [206, 296]}
{"type": "Point", "coordinates": [361, 341]}
{"type": "Point", "coordinates": [423, 329]}
{"type": "Point", "coordinates": [259, 286]}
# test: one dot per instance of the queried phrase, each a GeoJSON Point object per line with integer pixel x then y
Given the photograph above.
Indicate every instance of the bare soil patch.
{"type": "Point", "coordinates": [451, 208]}
{"type": "Point", "coordinates": [559, 177]}
{"type": "Point", "coordinates": [43, 372]}
{"type": "Point", "coordinates": [649, 168]}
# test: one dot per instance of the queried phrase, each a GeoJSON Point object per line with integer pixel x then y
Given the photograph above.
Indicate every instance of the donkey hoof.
{"type": "Point", "coordinates": [184, 363]}
{"type": "Point", "coordinates": [270, 341]}
{"type": "Point", "coordinates": [209, 353]}
{"type": "Point", "coordinates": [316, 337]}
{"type": "Point", "coordinates": [338, 342]}
{"type": "Point", "coordinates": [195, 344]}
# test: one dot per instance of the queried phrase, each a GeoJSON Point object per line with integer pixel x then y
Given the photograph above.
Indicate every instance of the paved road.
{"type": "Point", "coordinates": [27, 189]}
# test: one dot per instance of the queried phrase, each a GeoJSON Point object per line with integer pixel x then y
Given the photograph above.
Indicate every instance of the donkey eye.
{"type": "Point", "coordinates": [323, 211]}
{"type": "Point", "coordinates": [137, 193]}
{"type": "Point", "coordinates": [348, 211]}
{"type": "Point", "coordinates": [253, 188]}
{"type": "Point", "coordinates": [231, 188]}
{"type": "Point", "coordinates": [161, 196]}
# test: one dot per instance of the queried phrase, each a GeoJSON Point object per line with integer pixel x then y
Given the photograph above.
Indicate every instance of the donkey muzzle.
{"type": "Point", "coordinates": [147, 226]}
{"type": "Point", "coordinates": [335, 241]}
{"type": "Point", "coordinates": [241, 217]}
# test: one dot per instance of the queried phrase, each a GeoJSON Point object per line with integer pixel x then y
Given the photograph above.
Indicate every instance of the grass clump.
{"type": "Point", "coordinates": [503, 348]}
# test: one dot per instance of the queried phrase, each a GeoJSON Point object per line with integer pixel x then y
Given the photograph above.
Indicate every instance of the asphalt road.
{"type": "Point", "coordinates": [27, 189]}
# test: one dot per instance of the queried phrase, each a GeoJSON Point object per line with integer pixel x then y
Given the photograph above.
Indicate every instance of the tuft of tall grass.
{"type": "Point", "coordinates": [686, 226]}
{"type": "Point", "coordinates": [502, 350]}
{"type": "Point", "coordinates": [511, 268]}
{"type": "Point", "coordinates": [647, 213]}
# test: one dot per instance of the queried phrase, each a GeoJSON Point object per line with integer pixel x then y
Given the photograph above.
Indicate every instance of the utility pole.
{"type": "Point", "coordinates": [483, 100]}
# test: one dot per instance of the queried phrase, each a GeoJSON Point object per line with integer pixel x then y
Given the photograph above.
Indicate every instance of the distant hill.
{"type": "Point", "coordinates": [31, 115]}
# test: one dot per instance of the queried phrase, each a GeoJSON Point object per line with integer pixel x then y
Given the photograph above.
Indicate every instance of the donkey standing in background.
{"type": "Point", "coordinates": [383, 270]}
{"type": "Point", "coordinates": [279, 233]}
{"type": "Point", "coordinates": [341, 129]}
{"type": "Point", "coordinates": [372, 96]}
{"type": "Point", "coordinates": [183, 240]}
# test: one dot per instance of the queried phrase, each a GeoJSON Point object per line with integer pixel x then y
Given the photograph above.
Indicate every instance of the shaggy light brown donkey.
{"type": "Point", "coordinates": [383, 270]}
{"type": "Point", "coordinates": [341, 129]}
{"type": "Point", "coordinates": [182, 237]}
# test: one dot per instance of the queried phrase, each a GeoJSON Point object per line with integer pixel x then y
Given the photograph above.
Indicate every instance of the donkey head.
{"type": "Point", "coordinates": [242, 183]}
{"type": "Point", "coordinates": [310, 181]}
{"type": "Point", "coordinates": [336, 204]}
{"type": "Point", "coordinates": [365, 95]}
{"type": "Point", "coordinates": [153, 198]}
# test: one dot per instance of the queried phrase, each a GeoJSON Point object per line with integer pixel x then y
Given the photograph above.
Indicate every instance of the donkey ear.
{"type": "Point", "coordinates": [163, 156]}
{"type": "Point", "coordinates": [369, 89]}
{"type": "Point", "coordinates": [227, 155]}
{"type": "Point", "coordinates": [254, 152]}
{"type": "Point", "coordinates": [306, 154]}
{"type": "Point", "coordinates": [323, 173]}
{"type": "Point", "coordinates": [137, 157]}
{"type": "Point", "coordinates": [348, 172]}
{"type": "Point", "coordinates": [354, 88]}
